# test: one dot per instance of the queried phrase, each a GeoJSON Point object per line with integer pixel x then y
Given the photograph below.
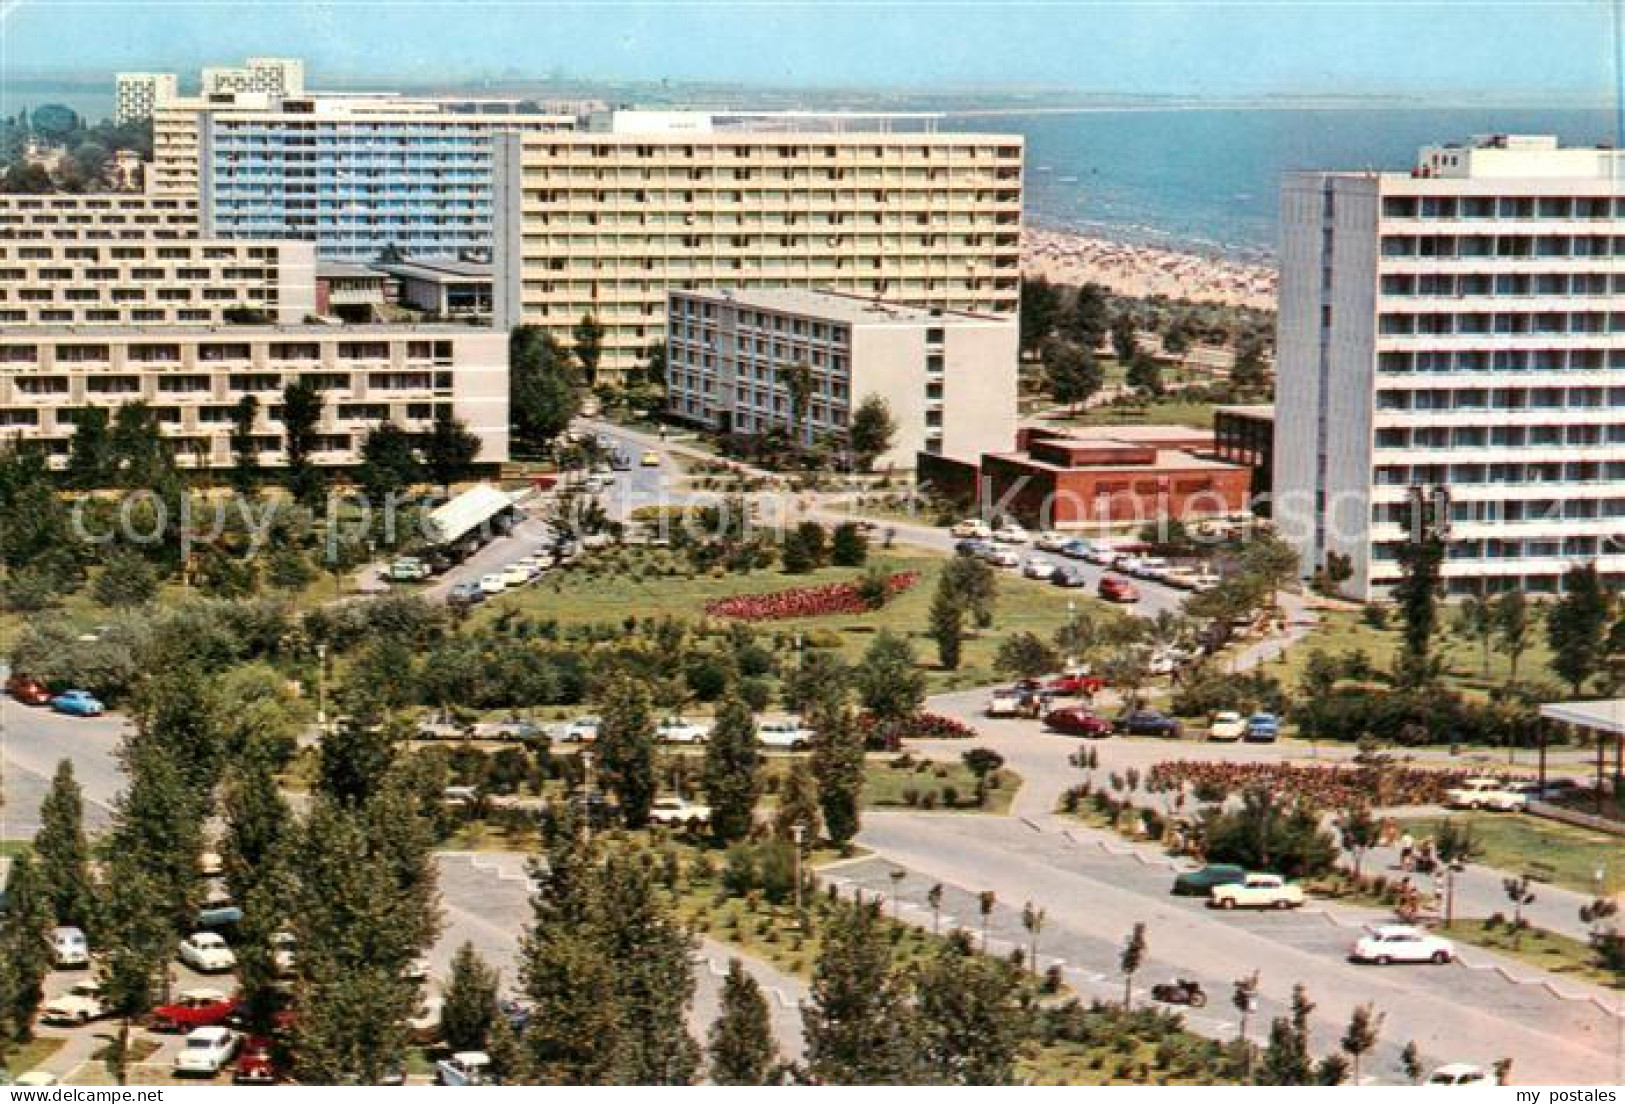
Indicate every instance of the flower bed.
{"type": "Point", "coordinates": [889, 735]}
{"type": "Point", "coordinates": [819, 601]}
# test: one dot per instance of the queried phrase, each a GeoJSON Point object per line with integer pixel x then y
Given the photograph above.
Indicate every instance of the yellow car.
{"type": "Point", "coordinates": [651, 459]}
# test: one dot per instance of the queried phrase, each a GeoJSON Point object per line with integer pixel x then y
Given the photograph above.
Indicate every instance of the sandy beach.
{"type": "Point", "coordinates": [1141, 270]}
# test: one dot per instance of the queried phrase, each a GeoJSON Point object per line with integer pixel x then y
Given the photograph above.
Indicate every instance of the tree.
{"type": "Point", "coordinates": [1269, 832]}
{"type": "Point", "coordinates": [1421, 558]}
{"type": "Point", "coordinates": [1025, 655]}
{"type": "Point", "coordinates": [1410, 1061]}
{"type": "Point", "coordinates": [470, 1009]}
{"type": "Point", "coordinates": [1249, 372]}
{"type": "Point", "coordinates": [970, 1018]}
{"type": "Point", "coordinates": [62, 853]}
{"type": "Point", "coordinates": [1125, 338]}
{"type": "Point", "coordinates": [25, 928]}
{"type": "Point", "coordinates": [137, 942]}
{"type": "Point", "coordinates": [1577, 626]}
{"type": "Point", "coordinates": [450, 449]}
{"type": "Point", "coordinates": [544, 388]}
{"type": "Point", "coordinates": [798, 804]}
{"type": "Point", "coordinates": [90, 452]}
{"type": "Point", "coordinates": [1087, 317]}
{"type": "Point", "coordinates": [740, 1045]}
{"type": "Point", "coordinates": [354, 759]}
{"type": "Point", "coordinates": [974, 586]}
{"type": "Point", "coordinates": [1456, 844]}
{"type": "Point", "coordinates": [1032, 920]}
{"type": "Point", "coordinates": [1475, 619]}
{"type": "Point", "coordinates": [1040, 307]}
{"type": "Point", "coordinates": [1144, 375]}
{"type": "Point", "coordinates": [837, 765]}
{"type": "Point", "coordinates": [588, 336]}
{"type": "Point", "coordinates": [1130, 961]}
{"type": "Point", "coordinates": [1244, 998]}
{"type": "Point", "coordinates": [141, 457]}
{"type": "Point", "coordinates": [626, 748]}
{"type": "Point", "coordinates": [1358, 831]}
{"type": "Point", "coordinates": [947, 626]}
{"type": "Point", "coordinates": [1365, 1026]}
{"type": "Point", "coordinates": [849, 547]}
{"type": "Point", "coordinates": [1072, 372]}
{"type": "Point", "coordinates": [389, 462]}
{"type": "Point", "coordinates": [858, 1021]}
{"type": "Point", "coordinates": [986, 901]}
{"type": "Point", "coordinates": [1521, 895]}
{"type": "Point", "coordinates": [983, 763]}
{"type": "Point", "coordinates": [1514, 623]}
{"type": "Point", "coordinates": [1286, 1059]}
{"type": "Point", "coordinates": [872, 430]}
{"type": "Point", "coordinates": [245, 450]}
{"type": "Point", "coordinates": [127, 579]}
{"type": "Point", "coordinates": [797, 379]}
{"type": "Point", "coordinates": [733, 771]}
{"type": "Point", "coordinates": [301, 413]}
{"type": "Point", "coordinates": [888, 679]}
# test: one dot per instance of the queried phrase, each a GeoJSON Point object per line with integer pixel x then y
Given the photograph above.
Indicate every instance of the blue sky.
{"type": "Point", "coordinates": [1399, 47]}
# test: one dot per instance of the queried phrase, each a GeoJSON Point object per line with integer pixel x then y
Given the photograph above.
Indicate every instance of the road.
{"type": "Point", "coordinates": [33, 741]}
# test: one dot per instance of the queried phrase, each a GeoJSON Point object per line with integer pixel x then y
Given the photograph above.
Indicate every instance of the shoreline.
{"type": "Point", "coordinates": [1142, 271]}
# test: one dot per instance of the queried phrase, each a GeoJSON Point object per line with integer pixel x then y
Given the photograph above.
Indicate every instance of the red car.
{"type": "Point", "coordinates": [256, 1063]}
{"type": "Point", "coordinates": [1076, 686]}
{"type": "Point", "coordinates": [193, 1009]}
{"type": "Point", "coordinates": [1113, 589]}
{"type": "Point", "coordinates": [1076, 721]}
{"type": "Point", "coordinates": [29, 691]}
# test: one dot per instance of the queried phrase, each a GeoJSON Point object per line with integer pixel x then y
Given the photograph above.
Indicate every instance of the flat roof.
{"type": "Point", "coordinates": [448, 270]}
{"type": "Point", "coordinates": [1168, 435]}
{"type": "Point", "coordinates": [468, 511]}
{"type": "Point", "coordinates": [856, 310]}
{"type": "Point", "coordinates": [1257, 410]}
{"type": "Point", "coordinates": [345, 270]}
{"type": "Point", "coordinates": [1598, 716]}
{"type": "Point", "coordinates": [1168, 460]}
{"type": "Point", "coordinates": [160, 332]}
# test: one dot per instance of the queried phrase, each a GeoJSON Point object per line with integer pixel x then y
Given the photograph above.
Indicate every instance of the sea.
{"type": "Point", "coordinates": [1190, 177]}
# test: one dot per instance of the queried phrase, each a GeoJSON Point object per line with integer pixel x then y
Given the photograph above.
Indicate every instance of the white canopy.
{"type": "Point", "coordinates": [467, 512]}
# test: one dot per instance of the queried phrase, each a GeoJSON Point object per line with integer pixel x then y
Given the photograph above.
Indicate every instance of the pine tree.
{"type": "Point", "coordinates": [137, 940]}
{"type": "Point", "coordinates": [972, 1025]}
{"type": "Point", "coordinates": [652, 952]}
{"type": "Point", "coordinates": [1365, 1026]}
{"type": "Point", "coordinates": [245, 452]}
{"type": "Point", "coordinates": [354, 759]}
{"type": "Point", "coordinates": [1286, 1059]}
{"type": "Point", "coordinates": [740, 1046]}
{"type": "Point", "coordinates": [798, 805]}
{"type": "Point", "coordinates": [450, 449]}
{"type": "Point", "coordinates": [626, 748]}
{"type": "Point", "coordinates": [837, 766]}
{"type": "Point", "coordinates": [1577, 626]}
{"type": "Point", "coordinates": [63, 852]}
{"type": "Point", "coordinates": [732, 771]}
{"type": "Point", "coordinates": [157, 823]}
{"type": "Point", "coordinates": [258, 865]}
{"type": "Point", "coordinates": [858, 1022]}
{"type": "Point", "coordinates": [889, 682]}
{"type": "Point", "coordinates": [25, 928]}
{"type": "Point", "coordinates": [1130, 961]}
{"type": "Point", "coordinates": [947, 626]}
{"type": "Point", "coordinates": [470, 1010]}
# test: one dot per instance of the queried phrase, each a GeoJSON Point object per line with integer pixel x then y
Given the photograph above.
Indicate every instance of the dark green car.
{"type": "Point", "coordinates": [1200, 883]}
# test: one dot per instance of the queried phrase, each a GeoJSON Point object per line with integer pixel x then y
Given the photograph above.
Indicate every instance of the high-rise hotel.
{"type": "Point", "coordinates": [1458, 328]}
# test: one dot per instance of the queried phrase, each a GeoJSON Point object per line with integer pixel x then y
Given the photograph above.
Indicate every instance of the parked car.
{"type": "Point", "coordinates": [516, 575]}
{"type": "Point", "coordinates": [493, 583]}
{"type": "Point", "coordinates": [69, 948]}
{"type": "Point", "coordinates": [79, 1005]}
{"type": "Point", "coordinates": [789, 734]}
{"type": "Point", "coordinates": [1201, 883]}
{"type": "Point", "coordinates": [972, 528]}
{"type": "Point", "coordinates": [207, 953]}
{"type": "Point", "coordinates": [1035, 568]}
{"type": "Point", "coordinates": [468, 1067]}
{"type": "Point", "coordinates": [1073, 720]}
{"type": "Point", "coordinates": [1387, 943]}
{"type": "Point", "coordinates": [257, 1062]}
{"type": "Point", "coordinates": [1002, 557]}
{"type": "Point", "coordinates": [1073, 684]}
{"type": "Point", "coordinates": [1262, 728]}
{"type": "Point", "coordinates": [1258, 891]}
{"type": "Point", "coordinates": [1458, 1073]}
{"type": "Point", "coordinates": [29, 691]}
{"type": "Point", "coordinates": [675, 811]}
{"type": "Point", "coordinates": [206, 1052]}
{"type": "Point", "coordinates": [1100, 555]}
{"type": "Point", "coordinates": [1069, 577]}
{"type": "Point", "coordinates": [408, 569]}
{"type": "Point", "coordinates": [1180, 577]}
{"type": "Point", "coordinates": [466, 594]}
{"type": "Point", "coordinates": [675, 730]}
{"type": "Point", "coordinates": [1226, 726]}
{"type": "Point", "coordinates": [1011, 533]}
{"type": "Point", "coordinates": [1004, 703]}
{"type": "Point", "coordinates": [620, 461]}
{"type": "Point", "coordinates": [192, 1009]}
{"type": "Point", "coordinates": [651, 458]}
{"type": "Point", "coordinates": [582, 730]}
{"type": "Point", "coordinates": [1486, 793]}
{"type": "Point", "coordinates": [77, 703]}
{"type": "Point", "coordinates": [1051, 541]}
{"type": "Point", "coordinates": [1203, 581]}
{"type": "Point", "coordinates": [1113, 589]}
{"type": "Point", "coordinates": [1149, 722]}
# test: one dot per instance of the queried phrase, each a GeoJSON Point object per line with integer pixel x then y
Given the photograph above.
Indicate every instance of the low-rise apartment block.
{"type": "Point", "coordinates": [1456, 328]}
{"type": "Point", "coordinates": [948, 378]}
{"type": "Point", "coordinates": [96, 218]}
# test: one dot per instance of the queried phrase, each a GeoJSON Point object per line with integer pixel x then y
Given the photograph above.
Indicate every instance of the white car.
{"type": "Point", "coordinates": [1258, 891]}
{"type": "Point", "coordinates": [207, 953]}
{"type": "Point", "coordinates": [1011, 533]}
{"type": "Point", "coordinates": [675, 730]}
{"type": "Point", "coordinates": [972, 529]}
{"type": "Point", "coordinates": [676, 811]}
{"type": "Point", "coordinates": [493, 583]}
{"type": "Point", "coordinates": [1401, 943]}
{"type": "Point", "coordinates": [1226, 725]}
{"type": "Point", "coordinates": [1051, 541]}
{"type": "Point", "coordinates": [1203, 581]}
{"type": "Point", "coordinates": [582, 730]}
{"type": "Point", "coordinates": [79, 1005]}
{"type": "Point", "coordinates": [69, 948]}
{"type": "Point", "coordinates": [206, 1051]}
{"type": "Point", "coordinates": [1004, 703]}
{"type": "Point", "coordinates": [37, 1079]}
{"type": "Point", "coordinates": [1458, 1073]}
{"type": "Point", "coordinates": [1002, 557]}
{"type": "Point", "coordinates": [789, 734]}
{"type": "Point", "coordinates": [516, 575]}
{"type": "Point", "coordinates": [1035, 568]}
{"type": "Point", "coordinates": [1486, 793]}
{"type": "Point", "coordinates": [468, 1067]}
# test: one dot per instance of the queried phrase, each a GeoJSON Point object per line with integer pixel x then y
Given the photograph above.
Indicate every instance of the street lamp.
{"type": "Point", "coordinates": [798, 832]}
{"type": "Point", "coordinates": [321, 686]}
{"type": "Point", "coordinates": [586, 789]}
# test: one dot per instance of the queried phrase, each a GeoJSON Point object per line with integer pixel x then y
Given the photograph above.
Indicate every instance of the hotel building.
{"type": "Point", "coordinates": [96, 218]}
{"type": "Point", "coordinates": [948, 378]}
{"type": "Point", "coordinates": [137, 95]}
{"type": "Point", "coordinates": [1457, 328]}
{"type": "Point", "coordinates": [272, 76]}
{"type": "Point", "coordinates": [607, 221]}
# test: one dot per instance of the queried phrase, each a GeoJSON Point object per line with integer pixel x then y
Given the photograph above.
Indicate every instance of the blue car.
{"type": "Point", "coordinates": [1262, 728]}
{"type": "Point", "coordinates": [77, 703]}
{"type": "Point", "coordinates": [1076, 549]}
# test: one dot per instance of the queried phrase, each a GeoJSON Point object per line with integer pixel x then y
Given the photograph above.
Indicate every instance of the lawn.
{"type": "Point", "coordinates": [14, 847]}
{"type": "Point", "coordinates": [889, 780]}
{"type": "Point", "coordinates": [29, 1055]}
{"type": "Point", "coordinates": [654, 583]}
{"type": "Point", "coordinates": [1549, 951]}
{"type": "Point", "coordinates": [1564, 855]}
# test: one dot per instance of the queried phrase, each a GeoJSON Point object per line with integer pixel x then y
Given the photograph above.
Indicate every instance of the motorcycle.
{"type": "Point", "coordinates": [1182, 991]}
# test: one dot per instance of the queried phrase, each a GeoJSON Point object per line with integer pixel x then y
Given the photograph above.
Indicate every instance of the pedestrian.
{"type": "Point", "coordinates": [1407, 848]}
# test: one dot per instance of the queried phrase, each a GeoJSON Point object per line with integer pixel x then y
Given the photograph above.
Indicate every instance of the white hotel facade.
{"type": "Point", "coordinates": [1457, 327]}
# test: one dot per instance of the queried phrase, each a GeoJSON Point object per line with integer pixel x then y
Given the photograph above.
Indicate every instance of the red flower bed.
{"type": "Point", "coordinates": [818, 601]}
{"type": "Point", "coordinates": [889, 735]}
